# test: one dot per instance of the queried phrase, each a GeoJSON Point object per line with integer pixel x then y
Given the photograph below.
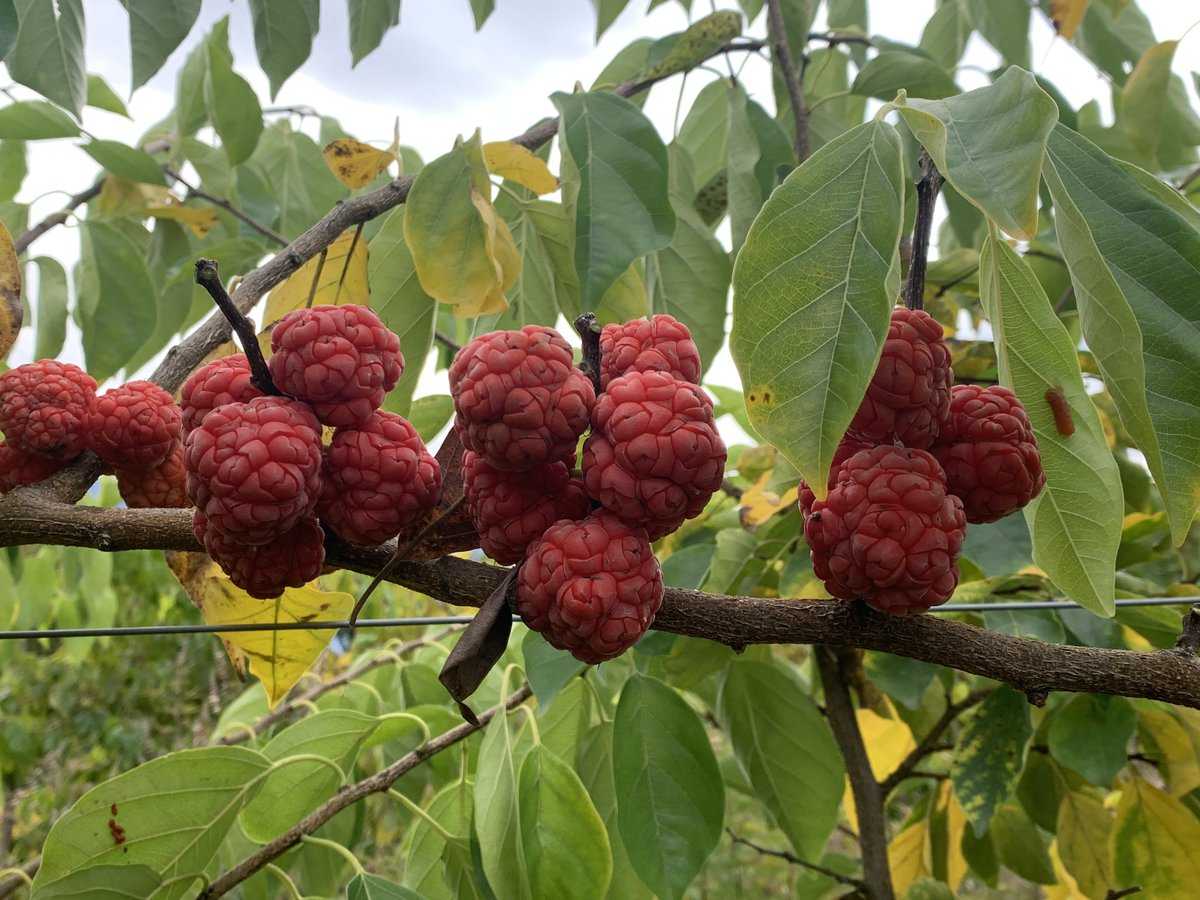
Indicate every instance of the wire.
{"type": "Point", "coordinates": [147, 630]}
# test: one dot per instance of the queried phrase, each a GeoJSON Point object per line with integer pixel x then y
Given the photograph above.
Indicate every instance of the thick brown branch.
{"type": "Point", "coordinates": [377, 783]}
{"type": "Point", "coordinates": [927, 191]}
{"type": "Point", "coordinates": [792, 78]}
{"type": "Point", "coordinates": [929, 744]}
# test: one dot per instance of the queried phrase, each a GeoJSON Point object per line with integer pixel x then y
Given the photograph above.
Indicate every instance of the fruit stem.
{"type": "Point", "coordinates": [589, 332]}
{"type": "Point", "coordinates": [260, 375]}
{"type": "Point", "coordinates": [927, 191]}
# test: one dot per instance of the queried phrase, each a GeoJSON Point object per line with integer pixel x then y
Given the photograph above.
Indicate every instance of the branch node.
{"type": "Point", "coordinates": [1037, 696]}
{"type": "Point", "coordinates": [208, 278]}
{"type": "Point", "coordinates": [1189, 637]}
{"type": "Point", "coordinates": [589, 332]}
{"type": "Point", "coordinates": [927, 191]}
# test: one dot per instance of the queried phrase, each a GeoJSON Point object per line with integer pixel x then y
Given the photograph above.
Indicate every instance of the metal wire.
{"type": "Point", "coordinates": [147, 630]}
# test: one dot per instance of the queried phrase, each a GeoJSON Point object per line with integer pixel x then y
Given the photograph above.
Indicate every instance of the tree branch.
{"type": "Point", "coordinates": [929, 744]}
{"type": "Point", "coordinates": [927, 191]}
{"type": "Point", "coordinates": [868, 797]}
{"type": "Point", "coordinates": [791, 76]}
{"type": "Point", "coordinates": [228, 207]}
{"type": "Point", "coordinates": [209, 279]}
{"type": "Point", "coordinates": [377, 783]}
{"type": "Point", "coordinates": [27, 237]}
{"type": "Point", "coordinates": [795, 860]}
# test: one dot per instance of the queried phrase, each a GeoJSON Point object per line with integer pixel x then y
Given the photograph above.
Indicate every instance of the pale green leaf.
{"type": "Point", "coordinates": [232, 106]}
{"type": "Point", "coordinates": [945, 35]}
{"type": "Point", "coordinates": [283, 34]}
{"type": "Point", "coordinates": [48, 53]}
{"type": "Point", "coordinates": [705, 131]}
{"type": "Point", "coordinates": [606, 13]}
{"type": "Point", "coordinates": [121, 315]}
{"type": "Point", "coordinates": [548, 669]}
{"type": "Point", "coordinates": [498, 814]}
{"type": "Point", "coordinates": [1005, 25]}
{"type": "Point", "coordinates": [365, 886]}
{"type": "Point", "coordinates": [13, 168]}
{"type": "Point", "coordinates": [744, 193]}
{"type": "Point", "coordinates": [627, 65]}
{"type": "Point", "coordinates": [191, 113]}
{"type": "Point", "coordinates": [431, 863]}
{"type": "Point", "coordinates": [155, 30]}
{"type": "Point", "coordinates": [369, 22]}
{"type": "Point", "coordinates": [101, 96]}
{"type": "Point", "coordinates": [115, 882]}
{"type": "Point", "coordinates": [894, 70]}
{"type": "Point", "coordinates": [32, 120]}
{"type": "Point", "coordinates": [125, 161]}
{"type": "Point", "coordinates": [51, 307]}
{"type": "Point", "coordinates": [1143, 101]}
{"type": "Point", "coordinates": [430, 414]}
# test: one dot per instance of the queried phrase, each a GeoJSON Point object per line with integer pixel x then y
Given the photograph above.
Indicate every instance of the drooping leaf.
{"type": "Point", "coordinates": [155, 30]}
{"type": "Point", "coordinates": [516, 163]}
{"type": "Point", "coordinates": [429, 414]}
{"type": "Point", "coordinates": [48, 53]}
{"type": "Point", "coordinates": [33, 120]}
{"type": "Point", "coordinates": [744, 193]}
{"type": "Point", "coordinates": [786, 749]}
{"type": "Point", "coordinates": [283, 34]}
{"type": "Point", "coordinates": [232, 106]}
{"type": "Point", "coordinates": [989, 143]}
{"type": "Point", "coordinates": [1020, 846]}
{"type": "Point", "coordinates": [51, 307]}
{"type": "Point", "coordinates": [13, 168]}
{"type": "Point", "coordinates": [434, 866]}
{"type": "Point", "coordinates": [1177, 736]}
{"type": "Point", "coordinates": [191, 113]}
{"type": "Point", "coordinates": [894, 70]}
{"type": "Point", "coordinates": [615, 187]}
{"type": "Point", "coordinates": [908, 856]}
{"type": "Point", "coordinates": [549, 670]}
{"type": "Point", "coordinates": [946, 33]}
{"type": "Point", "coordinates": [670, 796]}
{"type": "Point", "coordinates": [990, 754]}
{"type": "Point", "coordinates": [813, 289]}
{"type": "Point", "coordinates": [498, 813]}
{"type": "Point", "coordinates": [101, 96]}
{"type": "Point", "coordinates": [705, 131]}
{"type": "Point", "coordinates": [1143, 102]}
{"type": "Point", "coordinates": [1084, 826]}
{"type": "Point", "coordinates": [1076, 520]}
{"type": "Point", "coordinates": [606, 13]}
{"type": "Point", "coordinates": [369, 22]}
{"type": "Point", "coordinates": [1005, 25]}
{"type": "Point", "coordinates": [1089, 734]}
{"type": "Point", "coordinates": [1153, 842]}
{"type": "Point", "coordinates": [125, 161]}
{"type": "Point", "coordinates": [121, 315]}
{"type": "Point", "coordinates": [9, 23]}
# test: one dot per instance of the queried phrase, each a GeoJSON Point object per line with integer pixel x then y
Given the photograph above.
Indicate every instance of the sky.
{"type": "Point", "coordinates": [440, 78]}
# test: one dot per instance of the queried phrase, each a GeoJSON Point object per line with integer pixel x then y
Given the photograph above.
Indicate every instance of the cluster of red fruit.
{"type": "Point", "coordinates": [921, 458]}
{"type": "Point", "coordinates": [258, 472]}
{"type": "Point", "coordinates": [50, 413]}
{"type": "Point", "coordinates": [588, 579]}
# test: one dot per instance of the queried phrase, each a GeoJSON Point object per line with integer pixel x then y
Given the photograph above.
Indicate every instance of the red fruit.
{"type": "Point", "coordinates": [519, 401]}
{"type": "Point", "coordinates": [889, 531]}
{"type": "Point", "coordinates": [340, 359]}
{"type": "Point", "coordinates": [845, 449]}
{"type": "Point", "coordinates": [158, 487]}
{"type": "Point", "coordinates": [292, 560]}
{"type": "Point", "coordinates": [909, 396]}
{"type": "Point", "coordinates": [254, 469]}
{"type": "Point", "coordinates": [378, 480]}
{"type": "Point", "coordinates": [659, 344]}
{"type": "Point", "coordinates": [512, 509]}
{"type": "Point", "coordinates": [591, 587]}
{"type": "Point", "coordinates": [654, 456]}
{"type": "Point", "coordinates": [44, 408]}
{"type": "Point", "coordinates": [134, 425]}
{"type": "Point", "coordinates": [224, 380]}
{"type": "Point", "coordinates": [18, 468]}
{"type": "Point", "coordinates": [989, 452]}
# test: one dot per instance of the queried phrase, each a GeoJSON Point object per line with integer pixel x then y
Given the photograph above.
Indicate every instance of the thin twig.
{"type": "Point", "coordinates": [1114, 894]}
{"type": "Point", "coordinates": [927, 190]}
{"type": "Point", "coordinates": [833, 38]}
{"type": "Point", "coordinates": [209, 279]}
{"type": "Point", "coordinates": [930, 743]}
{"type": "Point", "coordinates": [446, 341]}
{"type": "Point", "coordinates": [27, 237]}
{"type": "Point", "coordinates": [346, 265]}
{"type": "Point", "coordinates": [227, 206]}
{"type": "Point", "coordinates": [791, 76]}
{"type": "Point", "coordinates": [316, 279]}
{"type": "Point", "coordinates": [589, 330]}
{"type": "Point", "coordinates": [796, 861]}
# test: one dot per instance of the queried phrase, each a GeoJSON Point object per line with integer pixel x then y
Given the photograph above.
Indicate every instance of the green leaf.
{"type": "Point", "coordinates": [173, 812]}
{"type": "Point", "coordinates": [1083, 830]}
{"type": "Point", "coordinates": [397, 297]}
{"type": "Point", "coordinates": [533, 299]}
{"type": "Point", "coordinates": [946, 33]}
{"type": "Point", "coordinates": [566, 846]}
{"type": "Point", "coordinates": [1089, 733]}
{"type": "Point", "coordinates": [904, 680]}
{"type": "Point", "coordinates": [365, 886]}
{"type": "Point", "coordinates": [698, 42]}
{"type": "Point", "coordinates": [549, 670]}
{"type": "Point", "coordinates": [48, 53]}
{"type": "Point", "coordinates": [430, 414]}
{"type": "Point", "coordinates": [606, 13]}
{"type": "Point", "coordinates": [1132, 250]}
{"type": "Point", "coordinates": [1154, 842]}
{"type": "Point", "coordinates": [1005, 25]}
{"type": "Point", "coordinates": [101, 96]}
{"type": "Point", "coordinates": [618, 195]}
{"type": "Point", "coordinates": [786, 749]}
{"type": "Point", "coordinates": [705, 131]}
{"type": "Point", "coordinates": [13, 168]}
{"type": "Point", "coordinates": [999, 548]}
{"type": "Point", "coordinates": [191, 114]}
{"type": "Point", "coordinates": [303, 186]}
{"type": "Point", "coordinates": [498, 813]}
{"type": "Point", "coordinates": [1021, 846]}
{"type": "Point", "coordinates": [51, 308]}
{"type": "Point", "coordinates": [989, 143]}
{"type": "Point", "coordinates": [32, 120]}
{"type": "Point", "coordinates": [1076, 520]}
{"type": "Point", "coordinates": [732, 557]}
{"type": "Point", "coordinates": [9, 24]}
{"type": "Point", "coordinates": [894, 70]}
{"type": "Point", "coordinates": [670, 797]}
{"type": "Point", "coordinates": [481, 10]}
{"type": "Point", "coordinates": [434, 867]}
{"type": "Point", "coordinates": [293, 791]}
{"type": "Point", "coordinates": [232, 106]}
{"type": "Point", "coordinates": [990, 754]}
{"type": "Point", "coordinates": [745, 196]}
{"type": "Point", "coordinates": [155, 30]}
{"type": "Point", "coordinates": [627, 65]}
{"type": "Point", "coordinates": [121, 314]}
{"type": "Point", "coordinates": [813, 289]}
{"type": "Point", "coordinates": [369, 22]}
{"type": "Point", "coordinates": [117, 882]}
{"type": "Point", "coordinates": [125, 161]}
{"type": "Point", "coordinates": [1143, 102]}
{"type": "Point", "coordinates": [283, 33]}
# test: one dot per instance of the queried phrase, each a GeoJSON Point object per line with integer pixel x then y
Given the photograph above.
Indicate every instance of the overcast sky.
{"type": "Point", "coordinates": [441, 79]}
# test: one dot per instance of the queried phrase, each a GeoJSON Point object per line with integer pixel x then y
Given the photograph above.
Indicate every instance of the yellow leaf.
{"type": "Point", "coordinates": [1084, 826]}
{"type": "Point", "coordinates": [11, 312]}
{"type": "Point", "coordinates": [200, 220]}
{"type": "Point", "coordinates": [759, 504]}
{"type": "Point", "coordinates": [1178, 746]}
{"type": "Point", "coordinates": [1135, 641]}
{"type": "Point", "coordinates": [1066, 15]}
{"type": "Point", "coordinates": [342, 279]}
{"type": "Point", "coordinates": [888, 741]}
{"type": "Point", "coordinates": [354, 163]}
{"type": "Point", "coordinates": [909, 856]}
{"type": "Point", "coordinates": [514, 162]}
{"type": "Point", "coordinates": [956, 826]}
{"type": "Point", "coordinates": [1154, 843]}
{"type": "Point", "coordinates": [1066, 889]}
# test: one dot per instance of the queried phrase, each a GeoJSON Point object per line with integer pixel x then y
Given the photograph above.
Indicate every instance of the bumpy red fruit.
{"type": "Point", "coordinates": [518, 399]}
{"type": "Point", "coordinates": [654, 456]}
{"type": "Point", "coordinates": [889, 531]}
{"type": "Point", "coordinates": [659, 344]}
{"type": "Point", "coordinates": [989, 452]}
{"type": "Point", "coordinates": [18, 468]}
{"type": "Point", "coordinates": [591, 587]}
{"type": "Point", "coordinates": [254, 469]}
{"type": "Point", "coordinates": [510, 510]}
{"type": "Point", "coordinates": [44, 408]}
{"type": "Point", "coordinates": [845, 449]}
{"type": "Point", "coordinates": [157, 487]}
{"type": "Point", "coordinates": [378, 480]}
{"type": "Point", "coordinates": [136, 424]}
{"type": "Point", "coordinates": [224, 380]}
{"type": "Point", "coordinates": [909, 395]}
{"type": "Point", "coordinates": [340, 359]}
{"type": "Point", "coordinates": [291, 560]}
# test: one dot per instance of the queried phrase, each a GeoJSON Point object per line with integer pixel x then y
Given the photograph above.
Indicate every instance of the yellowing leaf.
{"type": "Point", "coordinates": [956, 826]}
{"type": "Point", "coordinates": [1066, 889]}
{"type": "Point", "coordinates": [200, 220]}
{"type": "Point", "coordinates": [1083, 830]}
{"type": "Point", "coordinates": [508, 260]}
{"type": "Point", "coordinates": [122, 197]}
{"type": "Point", "coordinates": [1178, 747]}
{"type": "Point", "coordinates": [514, 162]}
{"type": "Point", "coordinates": [888, 741]}
{"type": "Point", "coordinates": [759, 504]}
{"type": "Point", "coordinates": [1154, 843]}
{"type": "Point", "coordinates": [342, 279]}
{"type": "Point", "coordinates": [354, 163]}
{"type": "Point", "coordinates": [909, 856]}
{"type": "Point", "coordinates": [11, 311]}
{"type": "Point", "coordinates": [1067, 15]}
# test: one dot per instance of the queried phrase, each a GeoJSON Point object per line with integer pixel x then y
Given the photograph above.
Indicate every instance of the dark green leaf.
{"type": "Point", "coordinates": [12, 168]}
{"type": "Point", "coordinates": [283, 33]}
{"type": "Point", "coordinates": [1089, 734]}
{"type": "Point", "coordinates": [371, 887]}
{"type": "Point", "coordinates": [8, 26]}
{"type": "Point", "coordinates": [125, 161]}
{"type": "Point", "coordinates": [101, 96]}
{"type": "Point", "coordinates": [686, 568]}
{"type": "Point", "coordinates": [732, 560]}
{"type": "Point", "coordinates": [999, 548]}
{"type": "Point", "coordinates": [51, 308]}
{"type": "Point", "coordinates": [302, 184]}
{"type": "Point", "coordinates": [1021, 846]}
{"type": "Point", "coordinates": [232, 106]}
{"type": "Point", "coordinates": [115, 882]}
{"type": "Point", "coordinates": [155, 30]}
{"type": "Point", "coordinates": [1040, 790]}
{"type": "Point", "coordinates": [617, 196]}
{"type": "Point", "coordinates": [893, 70]}
{"type": "Point", "coordinates": [369, 22]}
{"type": "Point", "coordinates": [429, 414]}
{"type": "Point", "coordinates": [48, 53]}
{"type": "Point", "coordinates": [121, 315]}
{"type": "Point", "coordinates": [32, 120]}
{"type": "Point", "coordinates": [904, 680]}
{"type": "Point", "coordinates": [990, 754]}
{"type": "Point", "coordinates": [1005, 25]}
{"type": "Point", "coordinates": [549, 670]}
